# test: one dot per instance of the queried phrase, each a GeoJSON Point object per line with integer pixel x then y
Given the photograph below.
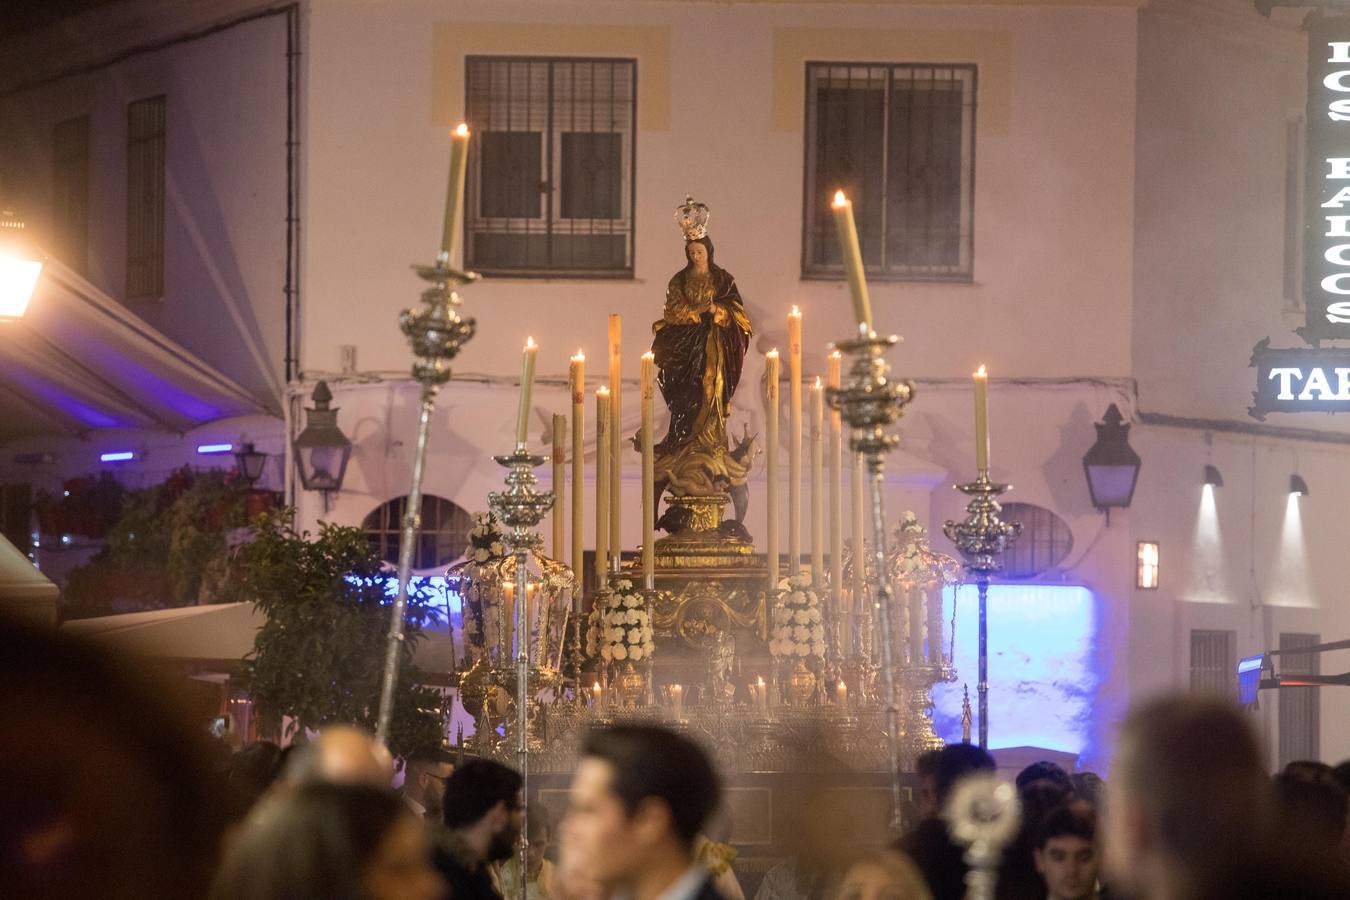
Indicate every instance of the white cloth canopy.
{"type": "Point", "coordinates": [215, 637]}
{"type": "Point", "coordinates": [25, 593]}
{"type": "Point", "coordinates": [79, 360]}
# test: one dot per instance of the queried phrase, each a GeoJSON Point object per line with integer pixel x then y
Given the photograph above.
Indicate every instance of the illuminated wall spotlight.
{"type": "Point", "coordinates": [1297, 486]}
{"type": "Point", "coordinates": [115, 456]}
{"type": "Point", "coordinates": [1212, 476]}
{"type": "Point", "coordinates": [208, 449]}
{"type": "Point", "coordinates": [1146, 569]}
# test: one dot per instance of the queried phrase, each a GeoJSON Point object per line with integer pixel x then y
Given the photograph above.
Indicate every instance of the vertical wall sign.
{"type": "Point", "coordinates": [1327, 199]}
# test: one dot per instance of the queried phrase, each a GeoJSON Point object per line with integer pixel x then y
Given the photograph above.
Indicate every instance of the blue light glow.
{"type": "Point", "coordinates": [1044, 666]}
{"type": "Point", "coordinates": [117, 456]}
{"type": "Point", "coordinates": [214, 448]}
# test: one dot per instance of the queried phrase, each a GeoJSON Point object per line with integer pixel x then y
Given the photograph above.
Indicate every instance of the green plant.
{"type": "Point", "coordinates": [319, 658]}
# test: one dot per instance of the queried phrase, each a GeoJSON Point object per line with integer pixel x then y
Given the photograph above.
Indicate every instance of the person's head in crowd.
{"type": "Point", "coordinates": [484, 807]}
{"type": "Point", "coordinates": [252, 771]}
{"type": "Point", "coordinates": [106, 789]}
{"type": "Point", "coordinates": [638, 800]}
{"type": "Point", "coordinates": [323, 841]}
{"type": "Point", "coordinates": [882, 875]}
{"type": "Point", "coordinates": [954, 762]}
{"type": "Point", "coordinates": [539, 832]}
{"type": "Point", "coordinates": [1044, 771]}
{"type": "Point", "coordinates": [1341, 772]}
{"type": "Point", "coordinates": [1066, 852]}
{"type": "Point", "coordinates": [1188, 798]}
{"type": "Point", "coordinates": [424, 777]}
{"type": "Point", "coordinates": [1088, 786]}
{"type": "Point", "coordinates": [341, 754]}
{"type": "Point", "coordinates": [1312, 805]}
{"type": "Point", "coordinates": [926, 767]}
{"type": "Point", "coordinates": [1040, 798]}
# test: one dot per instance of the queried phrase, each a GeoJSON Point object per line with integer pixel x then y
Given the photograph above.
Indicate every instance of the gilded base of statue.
{"type": "Point", "coordinates": [702, 539]}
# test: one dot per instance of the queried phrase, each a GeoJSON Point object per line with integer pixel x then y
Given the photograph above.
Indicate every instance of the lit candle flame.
{"type": "Point", "coordinates": [981, 373]}
{"type": "Point", "coordinates": [839, 199]}
{"type": "Point", "coordinates": [462, 130]}
{"type": "Point", "coordinates": [760, 681]}
{"type": "Point", "coordinates": [817, 385]}
{"type": "Point", "coordinates": [530, 344]}
{"type": "Point", "coordinates": [836, 355]}
{"type": "Point", "coordinates": [795, 311]}
{"type": "Point", "coordinates": [580, 357]}
{"type": "Point", "coordinates": [773, 353]}
{"type": "Point", "coordinates": [602, 392]}
{"type": "Point", "coordinates": [649, 355]}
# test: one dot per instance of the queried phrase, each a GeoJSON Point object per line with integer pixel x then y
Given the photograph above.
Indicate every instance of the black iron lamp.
{"type": "Point", "coordinates": [322, 450]}
{"type": "Point", "coordinates": [249, 463]}
{"type": "Point", "coordinates": [1111, 465]}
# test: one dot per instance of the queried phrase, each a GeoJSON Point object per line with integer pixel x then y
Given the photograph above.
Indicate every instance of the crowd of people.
{"type": "Point", "coordinates": [108, 792]}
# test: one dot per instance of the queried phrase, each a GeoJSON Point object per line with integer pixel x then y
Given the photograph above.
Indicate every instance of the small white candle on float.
{"type": "Point", "coordinates": [851, 252]}
{"type": "Point", "coordinates": [647, 394]}
{"type": "Point", "coordinates": [677, 700]}
{"type": "Point", "coordinates": [454, 190]}
{"type": "Point", "coordinates": [509, 616]}
{"type": "Point", "coordinates": [762, 697]}
{"type": "Point", "coordinates": [981, 379]}
{"type": "Point", "coordinates": [576, 380]}
{"type": "Point", "coordinates": [841, 694]}
{"type": "Point", "coordinates": [526, 387]}
{"type": "Point", "coordinates": [771, 464]}
{"type": "Point", "coordinates": [597, 697]}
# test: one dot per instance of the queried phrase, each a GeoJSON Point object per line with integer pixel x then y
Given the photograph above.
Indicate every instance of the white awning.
{"type": "Point", "coordinates": [219, 634]}
{"type": "Point", "coordinates": [79, 360]}
{"type": "Point", "coordinates": [25, 593]}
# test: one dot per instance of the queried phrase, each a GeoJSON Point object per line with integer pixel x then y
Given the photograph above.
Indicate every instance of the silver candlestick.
{"type": "Point", "coordinates": [521, 507]}
{"type": "Point", "coordinates": [436, 332]}
{"type": "Point", "coordinates": [981, 538]}
{"type": "Point", "coordinates": [871, 402]}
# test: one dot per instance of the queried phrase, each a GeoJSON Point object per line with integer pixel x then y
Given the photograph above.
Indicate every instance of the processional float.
{"type": "Point", "coordinates": [843, 658]}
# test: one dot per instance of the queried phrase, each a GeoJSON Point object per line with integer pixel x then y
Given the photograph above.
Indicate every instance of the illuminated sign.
{"type": "Point", "coordinates": [1300, 380]}
{"type": "Point", "coordinates": [1327, 250]}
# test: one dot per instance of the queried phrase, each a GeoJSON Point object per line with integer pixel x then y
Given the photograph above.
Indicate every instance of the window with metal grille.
{"type": "Point", "coordinates": [1214, 662]}
{"type": "Point", "coordinates": [900, 141]}
{"type": "Point", "coordinates": [1045, 541]}
{"type": "Point", "coordinates": [440, 541]}
{"type": "Point", "coordinates": [145, 197]}
{"type": "Point", "coordinates": [1300, 707]}
{"type": "Point", "coordinates": [550, 181]}
{"type": "Point", "coordinates": [70, 191]}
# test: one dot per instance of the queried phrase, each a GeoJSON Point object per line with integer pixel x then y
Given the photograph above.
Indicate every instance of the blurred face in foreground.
{"type": "Point", "coordinates": [871, 881]}
{"type": "Point", "coordinates": [401, 867]}
{"type": "Point", "coordinates": [1069, 866]}
{"type": "Point", "coordinates": [598, 836]}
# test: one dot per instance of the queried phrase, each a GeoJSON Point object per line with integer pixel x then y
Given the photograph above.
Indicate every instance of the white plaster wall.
{"type": "Point", "coordinates": [1053, 196]}
{"type": "Point", "coordinates": [225, 187]}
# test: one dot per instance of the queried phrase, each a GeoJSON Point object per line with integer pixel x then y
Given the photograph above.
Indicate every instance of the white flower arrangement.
{"type": "Point", "coordinates": [798, 627]}
{"type": "Point", "coordinates": [621, 629]}
{"type": "Point", "coordinates": [486, 541]}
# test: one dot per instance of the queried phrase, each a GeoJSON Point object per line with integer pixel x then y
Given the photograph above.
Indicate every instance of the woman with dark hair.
{"type": "Point", "coordinates": [330, 842]}
{"type": "Point", "coordinates": [699, 348]}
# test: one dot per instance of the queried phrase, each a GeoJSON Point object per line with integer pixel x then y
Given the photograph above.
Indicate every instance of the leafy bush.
{"type": "Point", "coordinates": [320, 657]}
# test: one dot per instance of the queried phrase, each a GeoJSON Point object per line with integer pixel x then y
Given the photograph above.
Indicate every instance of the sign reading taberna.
{"type": "Point", "coordinates": [1327, 228]}
{"type": "Point", "coordinates": [1300, 379]}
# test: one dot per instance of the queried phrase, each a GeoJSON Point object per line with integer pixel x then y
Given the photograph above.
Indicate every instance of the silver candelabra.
{"type": "Point", "coordinates": [436, 332]}
{"type": "Point", "coordinates": [871, 402]}
{"type": "Point", "coordinates": [981, 539]}
{"type": "Point", "coordinates": [521, 507]}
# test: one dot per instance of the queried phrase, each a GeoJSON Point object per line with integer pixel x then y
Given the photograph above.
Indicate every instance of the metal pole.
{"type": "Point", "coordinates": [885, 602]}
{"type": "Point", "coordinates": [523, 702]}
{"type": "Point", "coordinates": [982, 687]}
{"type": "Point", "coordinates": [412, 521]}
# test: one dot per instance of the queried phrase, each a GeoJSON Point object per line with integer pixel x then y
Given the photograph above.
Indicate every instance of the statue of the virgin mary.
{"type": "Point", "coordinates": [699, 347]}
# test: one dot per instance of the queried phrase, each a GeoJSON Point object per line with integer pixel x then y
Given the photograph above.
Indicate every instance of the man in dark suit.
{"type": "Point", "coordinates": [638, 799]}
{"type": "Point", "coordinates": [482, 813]}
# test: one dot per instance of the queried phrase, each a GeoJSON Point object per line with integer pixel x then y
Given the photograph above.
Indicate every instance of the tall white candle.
{"type": "Point", "coordinates": [526, 387]}
{"type": "Point", "coordinates": [771, 464]}
{"type": "Point", "coordinates": [795, 441]}
{"type": "Point", "coordinates": [559, 511]}
{"type": "Point", "coordinates": [818, 486]}
{"type": "Point", "coordinates": [601, 485]}
{"type": "Point", "coordinates": [647, 392]}
{"type": "Point", "coordinates": [833, 453]}
{"type": "Point", "coordinates": [851, 252]}
{"type": "Point", "coordinates": [615, 440]}
{"type": "Point", "coordinates": [576, 377]}
{"type": "Point", "coordinates": [981, 379]}
{"type": "Point", "coordinates": [454, 190]}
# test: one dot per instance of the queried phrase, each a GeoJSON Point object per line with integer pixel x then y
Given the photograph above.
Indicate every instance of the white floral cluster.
{"type": "Point", "coordinates": [485, 539]}
{"type": "Point", "coordinates": [622, 628]}
{"type": "Point", "coordinates": [798, 630]}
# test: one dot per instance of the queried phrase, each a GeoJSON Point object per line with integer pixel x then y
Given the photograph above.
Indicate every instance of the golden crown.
{"type": "Point", "coordinates": [692, 217]}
